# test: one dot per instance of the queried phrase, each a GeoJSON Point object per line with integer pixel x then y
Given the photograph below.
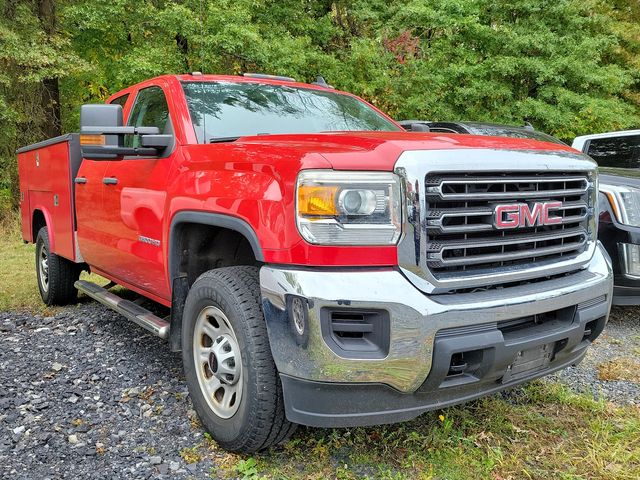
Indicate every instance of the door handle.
{"type": "Point", "coordinates": [80, 180]}
{"type": "Point", "coordinates": [110, 180]}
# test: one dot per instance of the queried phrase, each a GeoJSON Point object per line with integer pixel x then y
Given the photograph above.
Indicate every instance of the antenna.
{"type": "Point", "coordinates": [320, 81]}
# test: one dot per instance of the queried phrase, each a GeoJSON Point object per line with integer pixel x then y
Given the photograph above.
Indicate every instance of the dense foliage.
{"type": "Point", "coordinates": [567, 66]}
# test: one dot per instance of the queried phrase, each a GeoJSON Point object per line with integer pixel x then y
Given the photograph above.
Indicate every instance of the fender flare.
{"type": "Point", "coordinates": [48, 220]}
{"type": "Point", "coordinates": [215, 220]}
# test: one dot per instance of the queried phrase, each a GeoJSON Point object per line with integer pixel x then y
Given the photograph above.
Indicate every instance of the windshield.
{"type": "Point", "coordinates": [226, 109]}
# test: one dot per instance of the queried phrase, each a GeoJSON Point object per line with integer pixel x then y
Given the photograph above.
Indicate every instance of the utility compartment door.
{"type": "Point", "coordinates": [25, 210]}
{"type": "Point", "coordinates": [46, 184]}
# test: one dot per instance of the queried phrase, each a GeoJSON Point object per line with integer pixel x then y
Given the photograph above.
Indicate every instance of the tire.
{"type": "Point", "coordinates": [242, 408]}
{"type": "Point", "coordinates": [56, 275]}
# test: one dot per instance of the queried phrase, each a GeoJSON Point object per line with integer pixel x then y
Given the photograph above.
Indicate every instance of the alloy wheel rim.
{"type": "Point", "coordinates": [218, 361]}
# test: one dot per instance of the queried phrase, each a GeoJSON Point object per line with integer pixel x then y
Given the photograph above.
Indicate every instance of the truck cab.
{"type": "Point", "coordinates": [322, 266]}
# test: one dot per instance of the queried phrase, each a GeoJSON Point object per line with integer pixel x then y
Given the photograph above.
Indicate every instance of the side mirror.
{"type": "Point", "coordinates": [414, 125]}
{"type": "Point", "coordinates": [96, 146]}
{"type": "Point", "coordinates": [156, 141]}
{"type": "Point", "coordinates": [102, 135]}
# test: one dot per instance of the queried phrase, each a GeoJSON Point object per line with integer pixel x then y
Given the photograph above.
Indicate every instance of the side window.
{"type": "Point", "coordinates": [621, 152]}
{"type": "Point", "coordinates": [121, 100]}
{"type": "Point", "coordinates": [149, 110]}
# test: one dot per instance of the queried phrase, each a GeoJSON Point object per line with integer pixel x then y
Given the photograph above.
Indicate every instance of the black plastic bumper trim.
{"type": "Point", "coordinates": [626, 295]}
{"type": "Point", "coordinates": [336, 405]}
{"type": "Point", "coordinates": [502, 360]}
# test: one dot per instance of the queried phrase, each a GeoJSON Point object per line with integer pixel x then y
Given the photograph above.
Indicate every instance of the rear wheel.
{"type": "Point", "coordinates": [56, 275]}
{"type": "Point", "coordinates": [230, 372]}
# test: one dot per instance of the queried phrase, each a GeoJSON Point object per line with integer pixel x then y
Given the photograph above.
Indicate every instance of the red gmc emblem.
{"type": "Point", "coordinates": [517, 215]}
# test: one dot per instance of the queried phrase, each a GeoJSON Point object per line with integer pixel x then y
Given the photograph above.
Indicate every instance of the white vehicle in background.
{"type": "Point", "coordinates": [618, 157]}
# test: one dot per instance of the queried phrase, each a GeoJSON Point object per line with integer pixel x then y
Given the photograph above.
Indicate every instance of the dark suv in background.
{"type": "Point", "coordinates": [478, 128]}
{"type": "Point", "coordinates": [618, 157]}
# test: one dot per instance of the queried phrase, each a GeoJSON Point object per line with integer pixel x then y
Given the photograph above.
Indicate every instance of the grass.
{"type": "Point", "coordinates": [18, 284]}
{"type": "Point", "coordinates": [18, 287]}
{"type": "Point", "coordinates": [541, 431]}
{"type": "Point", "coordinates": [623, 368]}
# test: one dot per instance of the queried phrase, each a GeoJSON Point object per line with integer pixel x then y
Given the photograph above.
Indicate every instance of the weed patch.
{"type": "Point", "coordinates": [622, 368]}
{"type": "Point", "coordinates": [539, 431]}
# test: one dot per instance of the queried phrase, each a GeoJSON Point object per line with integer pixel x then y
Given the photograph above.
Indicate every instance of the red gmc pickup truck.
{"type": "Point", "coordinates": [323, 266]}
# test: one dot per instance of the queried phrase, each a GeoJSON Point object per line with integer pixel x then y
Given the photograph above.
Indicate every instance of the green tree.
{"type": "Point", "coordinates": [568, 66]}
{"type": "Point", "coordinates": [558, 64]}
{"type": "Point", "coordinates": [33, 56]}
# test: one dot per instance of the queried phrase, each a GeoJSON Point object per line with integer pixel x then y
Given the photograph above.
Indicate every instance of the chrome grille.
{"type": "Point", "coordinates": [461, 237]}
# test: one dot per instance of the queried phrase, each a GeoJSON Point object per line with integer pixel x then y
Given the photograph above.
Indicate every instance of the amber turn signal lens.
{"type": "Point", "coordinates": [614, 205]}
{"type": "Point", "coordinates": [92, 139]}
{"type": "Point", "coordinates": [316, 200]}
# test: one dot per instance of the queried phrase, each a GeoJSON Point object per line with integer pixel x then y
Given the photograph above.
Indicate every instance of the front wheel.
{"type": "Point", "coordinates": [230, 372]}
{"type": "Point", "coordinates": [56, 275]}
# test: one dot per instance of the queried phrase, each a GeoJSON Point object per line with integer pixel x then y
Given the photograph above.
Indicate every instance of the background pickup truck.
{"type": "Point", "coordinates": [322, 266]}
{"type": "Point", "coordinates": [618, 157]}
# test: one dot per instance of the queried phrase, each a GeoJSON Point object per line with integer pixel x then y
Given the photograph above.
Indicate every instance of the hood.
{"type": "Point", "coordinates": [381, 150]}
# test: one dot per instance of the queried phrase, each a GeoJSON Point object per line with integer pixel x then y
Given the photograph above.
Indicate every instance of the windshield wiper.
{"type": "Point", "coordinates": [233, 139]}
{"type": "Point", "coordinates": [223, 139]}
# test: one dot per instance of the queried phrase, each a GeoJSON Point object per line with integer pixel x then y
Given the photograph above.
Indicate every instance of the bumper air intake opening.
{"type": "Point", "coordinates": [593, 329]}
{"type": "Point", "coordinates": [464, 364]}
{"type": "Point", "coordinates": [560, 344]}
{"type": "Point", "coordinates": [356, 333]}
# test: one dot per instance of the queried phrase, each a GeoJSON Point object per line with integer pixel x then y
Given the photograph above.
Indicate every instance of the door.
{"type": "Point", "coordinates": [90, 216]}
{"type": "Point", "coordinates": [134, 202]}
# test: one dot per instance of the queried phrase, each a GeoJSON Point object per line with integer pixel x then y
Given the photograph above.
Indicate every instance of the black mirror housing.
{"type": "Point", "coordinates": [414, 126]}
{"type": "Point", "coordinates": [101, 116]}
{"type": "Point", "coordinates": [102, 135]}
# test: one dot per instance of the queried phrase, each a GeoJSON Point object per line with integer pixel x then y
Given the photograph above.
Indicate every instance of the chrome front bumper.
{"type": "Point", "coordinates": [414, 317]}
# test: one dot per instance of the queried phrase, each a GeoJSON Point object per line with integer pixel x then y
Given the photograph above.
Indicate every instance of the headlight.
{"type": "Point", "coordinates": [348, 208]}
{"type": "Point", "coordinates": [625, 203]}
{"type": "Point", "coordinates": [630, 259]}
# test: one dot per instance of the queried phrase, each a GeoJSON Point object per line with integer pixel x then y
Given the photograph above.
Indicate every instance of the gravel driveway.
{"type": "Point", "coordinates": [620, 340]}
{"type": "Point", "coordinates": [85, 394]}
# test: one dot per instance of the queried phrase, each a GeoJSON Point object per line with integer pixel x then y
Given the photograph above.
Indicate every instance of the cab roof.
{"type": "Point", "coordinates": [251, 78]}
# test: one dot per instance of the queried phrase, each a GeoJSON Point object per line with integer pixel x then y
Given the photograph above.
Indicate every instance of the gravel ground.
{"type": "Point", "coordinates": [620, 339]}
{"type": "Point", "coordinates": [85, 394]}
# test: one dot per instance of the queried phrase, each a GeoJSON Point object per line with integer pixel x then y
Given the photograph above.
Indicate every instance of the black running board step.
{"type": "Point", "coordinates": [137, 314]}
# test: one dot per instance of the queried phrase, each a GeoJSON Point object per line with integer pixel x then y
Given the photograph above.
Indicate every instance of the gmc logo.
{"type": "Point", "coordinates": [517, 215]}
